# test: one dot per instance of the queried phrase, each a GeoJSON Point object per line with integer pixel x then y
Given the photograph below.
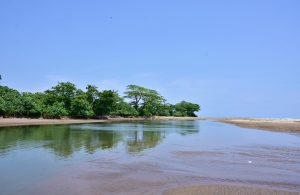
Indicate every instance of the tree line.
{"type": "Point", "coordinates": [66, 100]}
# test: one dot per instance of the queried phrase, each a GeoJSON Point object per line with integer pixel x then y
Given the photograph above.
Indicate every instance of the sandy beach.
{"type": "Point", "coordinates": [7, 122]}
{"type": "Point", "coordinates": [287, 125]}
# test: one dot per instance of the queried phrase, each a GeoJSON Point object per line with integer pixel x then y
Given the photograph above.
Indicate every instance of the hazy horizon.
{"type": "Point", "coordinates": [235, 59]}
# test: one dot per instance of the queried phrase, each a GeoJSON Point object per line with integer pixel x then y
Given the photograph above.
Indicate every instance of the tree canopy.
{"type": "Point", "coordinates": [66, 100]}
{"type": "Point", "coordinates": [186, 109]}
{"type": "Point", "coordinates": [146, 101]}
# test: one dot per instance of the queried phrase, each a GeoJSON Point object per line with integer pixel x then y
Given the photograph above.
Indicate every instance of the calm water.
{"type": "Point", "coordinates": [35, 159]}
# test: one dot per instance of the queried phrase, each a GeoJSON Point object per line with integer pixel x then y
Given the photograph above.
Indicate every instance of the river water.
{"type": "Point", "coordinates": [144, 157]}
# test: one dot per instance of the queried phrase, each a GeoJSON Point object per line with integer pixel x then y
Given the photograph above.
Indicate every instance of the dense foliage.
{"type": "Point", "coordinates": [66, 100]}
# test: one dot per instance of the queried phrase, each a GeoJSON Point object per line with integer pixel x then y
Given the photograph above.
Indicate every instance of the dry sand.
{"type": "Point", "coordinates": [288, 125]}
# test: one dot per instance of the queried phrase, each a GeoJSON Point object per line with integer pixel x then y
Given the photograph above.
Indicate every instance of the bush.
{"type": "Point", "coordinates": [177, 114]}
{"type": "Point", "coordinates": [125, 110]}
{"type": "Point", "coordinates": [186, 109]}
{"type": "Point", "coordinates": [31, 107]}
{"type": "Point", "coordinates": [57, 110]}
{"type": "Point", "coordinates": [81, 108]}
{"type": "Point", "coordinates": [10, 102]}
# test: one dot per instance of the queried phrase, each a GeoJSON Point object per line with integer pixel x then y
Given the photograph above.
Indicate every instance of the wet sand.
{"type": "Point", "coordinates": [285, 125]}
{"type": "Point", "coordinates": [182, 171]}
{"type": "Point", "coordinates": [225, 190]}
{"type": "Point", "coordinates": [7, 122]}
{"type": "Point", "coordinates": [109, 176]}
{"type": "Point", "coordinates": [177, 118]}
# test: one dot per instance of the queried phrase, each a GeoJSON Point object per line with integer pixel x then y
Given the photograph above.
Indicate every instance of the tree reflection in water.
{"type": "Point", "coordinates": [64, 140]}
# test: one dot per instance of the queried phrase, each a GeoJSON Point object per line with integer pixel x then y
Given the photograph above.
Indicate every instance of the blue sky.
{"type": "Point", "coordinates": [235, 58]}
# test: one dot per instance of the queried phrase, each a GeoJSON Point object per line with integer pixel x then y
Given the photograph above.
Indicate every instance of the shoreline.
{"type": "Point", "coordinates": [278, 125]}
{"type": "Point", "coordinates": [13, 122]}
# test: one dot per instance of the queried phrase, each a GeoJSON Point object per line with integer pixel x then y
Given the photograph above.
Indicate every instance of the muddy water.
{"type": "Point", "coordinates": [146, 158]}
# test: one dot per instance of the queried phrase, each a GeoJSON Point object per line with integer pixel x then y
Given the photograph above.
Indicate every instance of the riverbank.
{"type": "Point", "coordinates": [7, 122]}
{"type": "Point", "coordinates": [285, 125]}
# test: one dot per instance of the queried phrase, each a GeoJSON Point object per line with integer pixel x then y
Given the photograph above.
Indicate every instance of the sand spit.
{"type": "Point", "coordinates": [288, 125]}
{"type": "Point", "coordinates": [176, 118]}
{"type": "Point", "coordinates": [7, 122]}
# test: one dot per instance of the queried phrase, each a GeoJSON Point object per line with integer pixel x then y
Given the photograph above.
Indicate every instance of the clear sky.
{"type": "Point", "coordinates": [234, 58]}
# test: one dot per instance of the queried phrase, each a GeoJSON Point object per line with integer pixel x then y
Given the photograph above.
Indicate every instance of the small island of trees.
{"type": "Point", "coordinates": [66, 100]}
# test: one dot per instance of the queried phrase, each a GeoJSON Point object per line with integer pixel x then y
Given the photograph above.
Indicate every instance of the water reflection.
{"type": "Point", "coordinates": [64, 140]}
{"type": "Point", "coordinates": [144, 139]}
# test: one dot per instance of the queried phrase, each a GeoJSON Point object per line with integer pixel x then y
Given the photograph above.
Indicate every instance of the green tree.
{"type": "Point", "coordinates": [146, 101]}
{"type": "Point", "coordinates": [63, 92]}
{"type": "Point", "coordinates": [92, 93]}
{"type": "Point", "coordinates": [31, 105]}
{"type": "Point", "coordinates": [106, 103]}
{"type": "Point", "coordinates": [186, 109]}
{"type": "Point", "coordinates": [11, 104]}
{"type": "Point", "coordinates": [135, 93]}
{"type": "Point", "coordinates": [152, 103]}
{"type": "Point", "coordinates": [81, 107]}
{"type": "Point", "coordinates": [65, 99]}
{"type": "Point", "coordinates": [57, 110]}
{"type": "Point", "coordinates": [165, 109]}
{"type": "Point", "coordinates": [124, 109]}
{"type": "Point", "coordinates": [2, 106]}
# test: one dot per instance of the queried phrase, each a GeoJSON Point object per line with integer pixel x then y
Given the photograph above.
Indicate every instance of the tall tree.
{"type": "Point", "coordinates": [135, 93]}
{"type": "Point", "coordinates": [92, 93]}
{"type": "Point", "coordinates": [152, 102]}
{"type": "Point", "coordinates": [146, 101]}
